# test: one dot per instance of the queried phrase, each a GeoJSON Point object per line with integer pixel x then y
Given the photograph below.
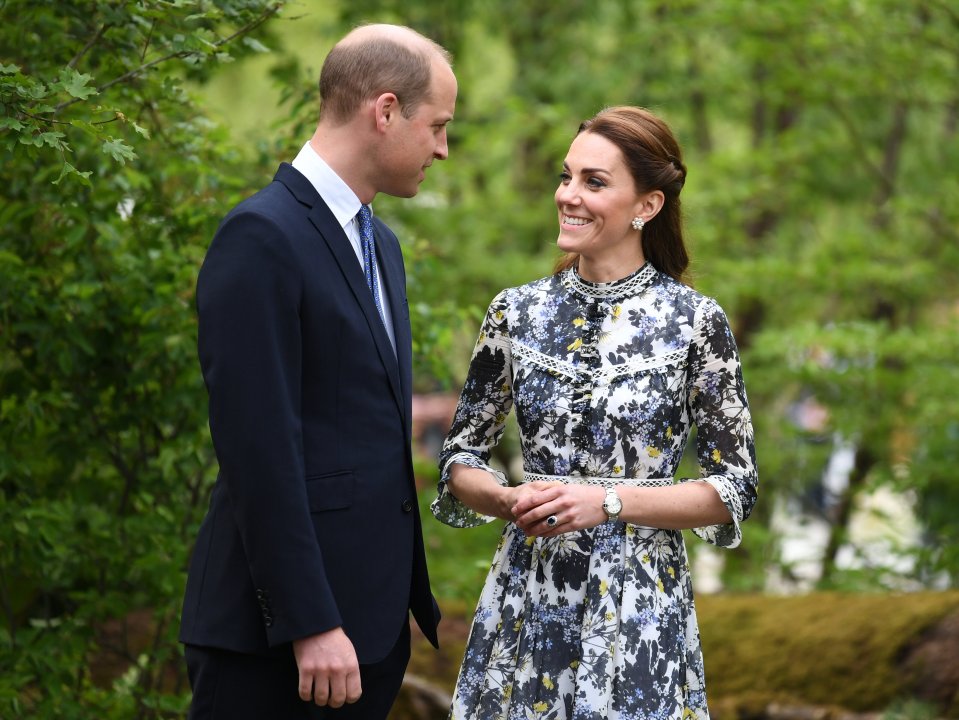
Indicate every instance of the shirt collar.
{"type": "Point", "coordinates": [342, 201]}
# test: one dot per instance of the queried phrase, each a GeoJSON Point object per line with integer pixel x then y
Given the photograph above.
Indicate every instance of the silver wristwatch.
{"type": "Point", "coordinates": [612, 504]}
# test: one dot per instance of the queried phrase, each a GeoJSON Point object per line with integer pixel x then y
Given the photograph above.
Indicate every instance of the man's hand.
{"type": "Point", "coordinates": [329, 670]}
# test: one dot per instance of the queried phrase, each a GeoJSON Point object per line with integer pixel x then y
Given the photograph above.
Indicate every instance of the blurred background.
{"type": "Point", "coordinates": [822, 212]}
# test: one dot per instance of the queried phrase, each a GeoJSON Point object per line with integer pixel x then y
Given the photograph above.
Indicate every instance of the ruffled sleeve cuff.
{"type": "Point", "coordinates": [450, 511]}
{"type": "Point", "coordinates": [728, 535]}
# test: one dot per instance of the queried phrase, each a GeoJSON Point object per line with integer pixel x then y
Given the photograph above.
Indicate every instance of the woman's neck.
{"type": "Point", "coordinates": [608, 269]}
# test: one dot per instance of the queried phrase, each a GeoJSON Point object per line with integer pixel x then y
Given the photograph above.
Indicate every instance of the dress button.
{"type": "Point", "coordinates": [407, 506]}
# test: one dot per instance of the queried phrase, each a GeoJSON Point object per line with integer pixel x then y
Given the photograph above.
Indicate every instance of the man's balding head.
{"type": "Point", "coordinates": [372, 60]}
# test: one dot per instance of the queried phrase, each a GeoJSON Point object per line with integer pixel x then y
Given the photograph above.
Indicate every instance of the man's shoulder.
{"type": "Point", "coordinates": [274, 199]}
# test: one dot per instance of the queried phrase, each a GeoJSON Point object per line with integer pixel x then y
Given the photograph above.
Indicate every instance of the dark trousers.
{"type": "Point", "coordinates": [235, 686]}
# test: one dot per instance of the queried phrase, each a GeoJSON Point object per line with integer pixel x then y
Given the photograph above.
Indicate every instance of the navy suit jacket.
{"type": "Point", "coordinates": [313, 520]}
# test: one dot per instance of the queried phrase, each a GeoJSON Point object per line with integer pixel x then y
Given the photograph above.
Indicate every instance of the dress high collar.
{"type": "Point", "coordinates": [632, 284]}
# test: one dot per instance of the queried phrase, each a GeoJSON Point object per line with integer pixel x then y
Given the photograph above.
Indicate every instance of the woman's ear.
{"type": "Point", "coordinates": [649, 204]}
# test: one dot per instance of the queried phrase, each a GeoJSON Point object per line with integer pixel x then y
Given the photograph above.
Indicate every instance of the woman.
{"type": "Point", "coordinates": [588, 608]}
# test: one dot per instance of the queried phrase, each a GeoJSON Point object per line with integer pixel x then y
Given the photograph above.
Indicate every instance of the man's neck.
{"type": "Point", "coordinates": [339, 148]}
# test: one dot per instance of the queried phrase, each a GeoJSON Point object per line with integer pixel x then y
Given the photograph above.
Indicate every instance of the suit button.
{"type": "Point", "coordinates": [268, 620]}
{"type": "Point", "coordinates": [407, 506]}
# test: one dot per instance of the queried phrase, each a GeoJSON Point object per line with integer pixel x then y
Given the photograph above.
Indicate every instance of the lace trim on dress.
{"type": "Point", "coordinates": [729, 535]}
{"type": "Point", "coordinates": [630, 285]}
{"type": "Point", "coordinates": [592, 480]}
{"type": "Point", "coordinates": [630, 367]}
{"type": "Point", "coordinates": [544, 361]}
{"type": "Point", "coordinates": [601, 377]}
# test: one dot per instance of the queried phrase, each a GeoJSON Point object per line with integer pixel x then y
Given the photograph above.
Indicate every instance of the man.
{"type": "Point", "coordinates": [311, 555]}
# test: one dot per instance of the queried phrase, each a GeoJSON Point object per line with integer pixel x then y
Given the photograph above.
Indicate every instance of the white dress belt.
{"type": "Point", "coordinates": [592, 480]}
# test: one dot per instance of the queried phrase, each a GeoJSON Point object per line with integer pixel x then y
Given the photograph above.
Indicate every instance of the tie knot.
{"type": "Point", "coordinates": [365, 215]}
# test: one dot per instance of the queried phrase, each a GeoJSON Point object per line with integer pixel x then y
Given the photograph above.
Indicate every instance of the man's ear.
{"type": "Point", "coordinates": [386, 108]}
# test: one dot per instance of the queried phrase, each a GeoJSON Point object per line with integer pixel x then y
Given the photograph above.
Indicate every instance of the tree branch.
{"type": "Point", "coordinates": [146, 45]}
{"type": "Point", "coordinates": [249, 27]}
{"type": "Point", "coordinates": [890, 161]}
{"type": "Point", "coordinates": [8, 607]}
{"type": "Point", "coordinates": [90, 43]}
{"type": "Point", "coordinates": [861, 148]}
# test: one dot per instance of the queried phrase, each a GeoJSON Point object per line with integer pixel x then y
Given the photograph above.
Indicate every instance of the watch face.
{"type": "Point", "coordinates": [613, 504]}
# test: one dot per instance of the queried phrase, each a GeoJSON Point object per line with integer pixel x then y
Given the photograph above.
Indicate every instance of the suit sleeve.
{"type": "Point", "coordinates": [248, 296]}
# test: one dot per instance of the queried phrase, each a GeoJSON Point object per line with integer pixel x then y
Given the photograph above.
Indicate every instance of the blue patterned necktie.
{"type": "Point", "coordinates": [368, 248]}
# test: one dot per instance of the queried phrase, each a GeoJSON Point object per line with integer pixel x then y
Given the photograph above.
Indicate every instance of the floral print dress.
{"type": "Point", "coordinates": [607, 380]}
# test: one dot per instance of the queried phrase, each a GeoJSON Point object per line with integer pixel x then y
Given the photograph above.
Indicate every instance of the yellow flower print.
{"type": "Point", "coordinates": [717, 456]}
{"type": "Point", "coordinates": [603, 587]}
{"type": "Point", "coordinates": [540, 707]}
{"type": "Point", "coordinates": [579, 322]}
{"type": "Point", "coordinates": [659, 584]}
{"type": "Point", "coordinates": [575, 345]}
{"type": "Point", "coordinates": [547, 683]}
{"type": "Point", "coordinates": [617, 309]}
{"type": "Point", "coordinates": [574, 664]}
{"type": "Point", "coordinates": [507, 691]}
{"type": "Point", "coordinates": [645, 557]}
{"type": "Point", "coordinates": [617, 469]}
{"type": "Point", "coordinates": [653, 452]}
{"type": "Point", "coordinates": [669, 433]}
{"type": "Point", "coordinates": [671, 572]}
{"type": "Point", "coordinates": [499, 314]}
{"type": "Point", "coordinates": [609, 616]}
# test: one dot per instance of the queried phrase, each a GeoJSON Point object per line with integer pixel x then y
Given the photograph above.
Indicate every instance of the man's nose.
{"type": "Point", "coordinates": [442, 150]}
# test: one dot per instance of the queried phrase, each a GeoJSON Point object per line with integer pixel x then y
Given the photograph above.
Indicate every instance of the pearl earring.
{"type": "Point", "coordinates": [638, 223]}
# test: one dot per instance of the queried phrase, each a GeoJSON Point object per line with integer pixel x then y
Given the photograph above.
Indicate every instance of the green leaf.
{"type": "Point", "coordinates": [68, 169]}
{"type": "Point", "coordinates": [141, 130]}
{"type": "Point", "coordinates": [255, 45]}
{"type": "Point", "coordinates": [9, 69]}
{"type": "Point", "coordinates": [76, 84]}
{"type": "Point", "coordinates": [12, 123]}
{"type": "Point", "coordinates": [9, 258]}
{"type": "Point", "coordinates": [120, 151]}
{"type": "Point", "coordinates": [53, 139]}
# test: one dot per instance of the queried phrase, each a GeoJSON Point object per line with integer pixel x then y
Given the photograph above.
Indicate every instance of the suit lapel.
{"type": "Point", "coordinates": [390, 259]}
{"type": "Point", "coordinates": [339, 245]}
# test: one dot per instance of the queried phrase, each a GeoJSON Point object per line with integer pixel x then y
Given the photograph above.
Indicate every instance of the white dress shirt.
{"type": "Point", "coordinates": [344, 205]}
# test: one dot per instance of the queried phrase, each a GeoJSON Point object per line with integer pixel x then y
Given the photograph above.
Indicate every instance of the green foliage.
{"type": "Point", "coordinates": [113, 184]}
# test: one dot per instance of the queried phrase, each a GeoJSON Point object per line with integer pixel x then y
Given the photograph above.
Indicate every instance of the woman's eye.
{"type": "Point", "coordinates": [595, 183]}
{"type": "Point", "coordinates": [565, 177]}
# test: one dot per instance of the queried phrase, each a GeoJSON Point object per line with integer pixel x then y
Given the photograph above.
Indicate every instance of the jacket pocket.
{"type": "Point", "coordinates": [333, 491]}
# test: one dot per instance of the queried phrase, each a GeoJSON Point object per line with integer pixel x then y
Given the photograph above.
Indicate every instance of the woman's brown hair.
{"type": "Point", "coordinates": [655, 162]}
